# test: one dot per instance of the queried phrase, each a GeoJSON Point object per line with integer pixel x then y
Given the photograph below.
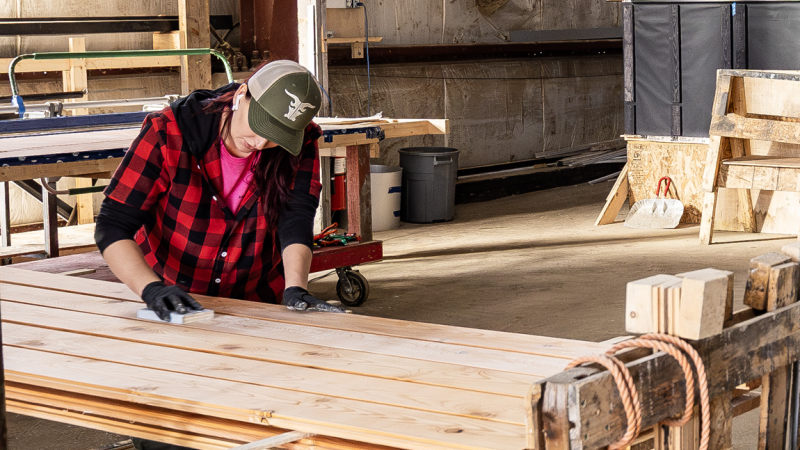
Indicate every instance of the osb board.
{"type": "Point", "coordinates": [683, 163]}
{"type": "Point", "coordinates": [499, 111]}
{"type": "Point", "coordinates": [776, 212]}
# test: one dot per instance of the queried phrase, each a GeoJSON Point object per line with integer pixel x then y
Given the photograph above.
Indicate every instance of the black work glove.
{"type": "Point", "coordinates": [298, 299]}
{"type": "Point", "coordinates": [163, 299]}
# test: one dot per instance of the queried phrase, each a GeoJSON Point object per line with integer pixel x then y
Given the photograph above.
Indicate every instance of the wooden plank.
{"type": "Point", "coordinates": [783, 282]}
{"type": "Point", "coordinates": [50, 219]}
{"type": "Point", "coordinates": [764, 161]}
{"type": "Point", "coordinates": [30, 65]}
{"type": "Point", "coordinates": [193, 21]}
{"type": "Point", "coordinates": [704, 300]}
{"type": "Point", "coordinates": [616, 198]}
{"type": "Point", "coordinates": [737, 177]}
{"type": "Point", "coordinates": [312, 413]}
{"type": "Point", "coordinates": [731, 125]}
{"type": "Point", "coordinates": [292, 343]}
{"type": "Point", "coordinates": [707, 223]}
{"type": "Point", "coordinates": [755, 293]}
{"type": "Point", "coordinates": [775, 387]}
{"type": "Point", "coordinates": [530, 344]}
{"type": "Point", "coordinates": [739, 148]}
{"type": "Point", "coordinates": [37, 335]}
{"type": "Point", "coordinates": [167, 41]}
{"type": "Point", "coordinates": [745, 403]}
{"type": "Point", "coordinates": [788, 179]}
{"type": "Point", "coordinates": [641, 314]}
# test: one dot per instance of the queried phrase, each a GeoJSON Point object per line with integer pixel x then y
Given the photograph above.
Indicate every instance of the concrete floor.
{"type": "Point", "coordinates": [531, 264]}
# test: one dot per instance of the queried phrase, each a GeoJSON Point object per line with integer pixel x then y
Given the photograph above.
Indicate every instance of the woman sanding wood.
{"type": "Point", "coordinates": [217, 196]}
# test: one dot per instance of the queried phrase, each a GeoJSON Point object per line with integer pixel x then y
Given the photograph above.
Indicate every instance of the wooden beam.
{"type": "Point", "coordinates": [359, 203]}
{"type": "Point", "coordinates": [75, 79]}
{"type": "Point", "coordinates": [732, 125]}
{"type": "Point", "coordinates": [193, 20]}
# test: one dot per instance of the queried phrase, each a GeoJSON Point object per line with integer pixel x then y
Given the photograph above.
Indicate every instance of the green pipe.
{"type": "Point", "coordinates": [114, 54]}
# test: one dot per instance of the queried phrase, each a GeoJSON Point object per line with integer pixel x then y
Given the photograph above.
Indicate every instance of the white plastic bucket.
{"type": "Point", "coordinates": [386, 182]}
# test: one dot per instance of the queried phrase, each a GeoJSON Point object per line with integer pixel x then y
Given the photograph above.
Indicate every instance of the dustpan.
{"type": "Point", "coordinates": [659, 212]}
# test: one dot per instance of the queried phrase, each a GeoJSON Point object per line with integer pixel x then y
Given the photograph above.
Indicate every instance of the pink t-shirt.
{"type": "Point", "coordinates": [236, 176]}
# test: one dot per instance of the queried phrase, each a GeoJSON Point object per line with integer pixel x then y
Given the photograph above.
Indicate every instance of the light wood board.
{"type": "Point", "coordinates": [75, 345]}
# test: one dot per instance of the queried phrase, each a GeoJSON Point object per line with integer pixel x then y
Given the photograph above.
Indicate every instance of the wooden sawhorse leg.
{"type": "Point", "coordinates": [50, 220]}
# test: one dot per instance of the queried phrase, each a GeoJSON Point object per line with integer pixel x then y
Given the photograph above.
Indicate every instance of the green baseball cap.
{"type": "Point", "coordinates": [285, 97]}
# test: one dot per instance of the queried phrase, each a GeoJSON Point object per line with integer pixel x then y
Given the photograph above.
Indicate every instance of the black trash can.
{"type": "Point", "coordinates": [429, 184]}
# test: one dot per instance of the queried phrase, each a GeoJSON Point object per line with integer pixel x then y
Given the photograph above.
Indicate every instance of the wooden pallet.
{"type": "Point", "coordinates": [75, 352]}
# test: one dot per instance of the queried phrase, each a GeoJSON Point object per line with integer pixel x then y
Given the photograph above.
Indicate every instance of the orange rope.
{"type": "Point", "coordinates": [674, 347]}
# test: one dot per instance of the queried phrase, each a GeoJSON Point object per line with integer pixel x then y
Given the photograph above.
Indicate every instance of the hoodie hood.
{"type": "Point", "coordinates": [200, 129]}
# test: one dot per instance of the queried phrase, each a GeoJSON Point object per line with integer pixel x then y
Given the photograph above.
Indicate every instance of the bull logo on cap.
{"type": "Point", "coordinates": [296, 107]}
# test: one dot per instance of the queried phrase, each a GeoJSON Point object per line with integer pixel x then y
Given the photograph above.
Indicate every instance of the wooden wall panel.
{"type": "Point", "coordinates": [496, 108]}
{"type": "Point", "coordinates": [418, 22]}
{"type": "Point", "coordinates": [581, 110]}
{"type": "Point", "coordinates": [495, 111]}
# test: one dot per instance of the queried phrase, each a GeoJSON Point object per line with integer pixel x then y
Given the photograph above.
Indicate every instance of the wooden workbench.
{"type": "Point", "coordinates": [96, 153]}
{"type": "Point", "coordinates": [74, 352]}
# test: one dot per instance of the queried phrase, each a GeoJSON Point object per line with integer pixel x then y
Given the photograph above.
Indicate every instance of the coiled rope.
{"type": "Point", "coordinates": [678, 349]}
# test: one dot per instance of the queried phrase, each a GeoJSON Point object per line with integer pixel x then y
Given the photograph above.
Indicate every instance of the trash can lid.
{"type": "Point", "coordinates": [429, 151]}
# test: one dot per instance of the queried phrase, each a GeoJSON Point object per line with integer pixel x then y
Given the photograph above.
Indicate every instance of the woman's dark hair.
{"type": "Point", "coordinates": [275, 169]}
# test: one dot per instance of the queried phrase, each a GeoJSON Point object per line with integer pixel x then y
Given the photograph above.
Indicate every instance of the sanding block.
{"type": "Point", "coordinates": [192, 316]}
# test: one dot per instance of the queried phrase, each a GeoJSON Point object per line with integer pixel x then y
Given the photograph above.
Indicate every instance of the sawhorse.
{"type": "Point", "coordinates": [729, 163]}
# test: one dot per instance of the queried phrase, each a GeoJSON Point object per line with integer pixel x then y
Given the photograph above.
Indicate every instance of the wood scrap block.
{"type": "Point", "coordinates": [640, 314]}
{"type": "Point", "coordinates": [782, 288]}
{"type": "Point", "coordinates": [704, 299]}
{"type": "Point", "coordinates": [755, 292]}
{"type": "Point", "coordinates": [792, 251]}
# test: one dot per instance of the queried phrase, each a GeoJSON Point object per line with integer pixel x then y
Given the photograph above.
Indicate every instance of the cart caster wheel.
{"type": "Point", "coordinates": [359, 292]}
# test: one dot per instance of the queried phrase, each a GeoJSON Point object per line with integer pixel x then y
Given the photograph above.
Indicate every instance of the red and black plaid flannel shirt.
{"type": "Point", "coordinates": [194, 240]}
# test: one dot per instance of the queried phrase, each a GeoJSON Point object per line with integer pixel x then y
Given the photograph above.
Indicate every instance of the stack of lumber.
{"type": "Point", "coordinates": [613, 151]}
{"type": "Point", "coordinates": [692, 305]}
{"type": "Point", "coordinates": [74, 352]}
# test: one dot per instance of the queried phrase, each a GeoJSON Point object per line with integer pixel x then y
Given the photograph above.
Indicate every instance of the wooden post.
{"type": "Point", "coordinates": [775, 387]}
{"type": "Point", "coordinates": [50, 221]}
{"type": "Point", "coordinates": [739, 148]}
{"type": "Point", "coordinates": [359, 203]}
{"type": "Point", "coordinates": [84, 203]}
{"type": "Point", "coordinates": [75, 78]}
{"type": "Point", "coordinates": [325, 195]}
{"type": "Point", "coordinates": [5, 214]}
{"type": "Point", "coordinates": [193, 20]}
{"type": "Point", "coordinates": [721, 422]}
